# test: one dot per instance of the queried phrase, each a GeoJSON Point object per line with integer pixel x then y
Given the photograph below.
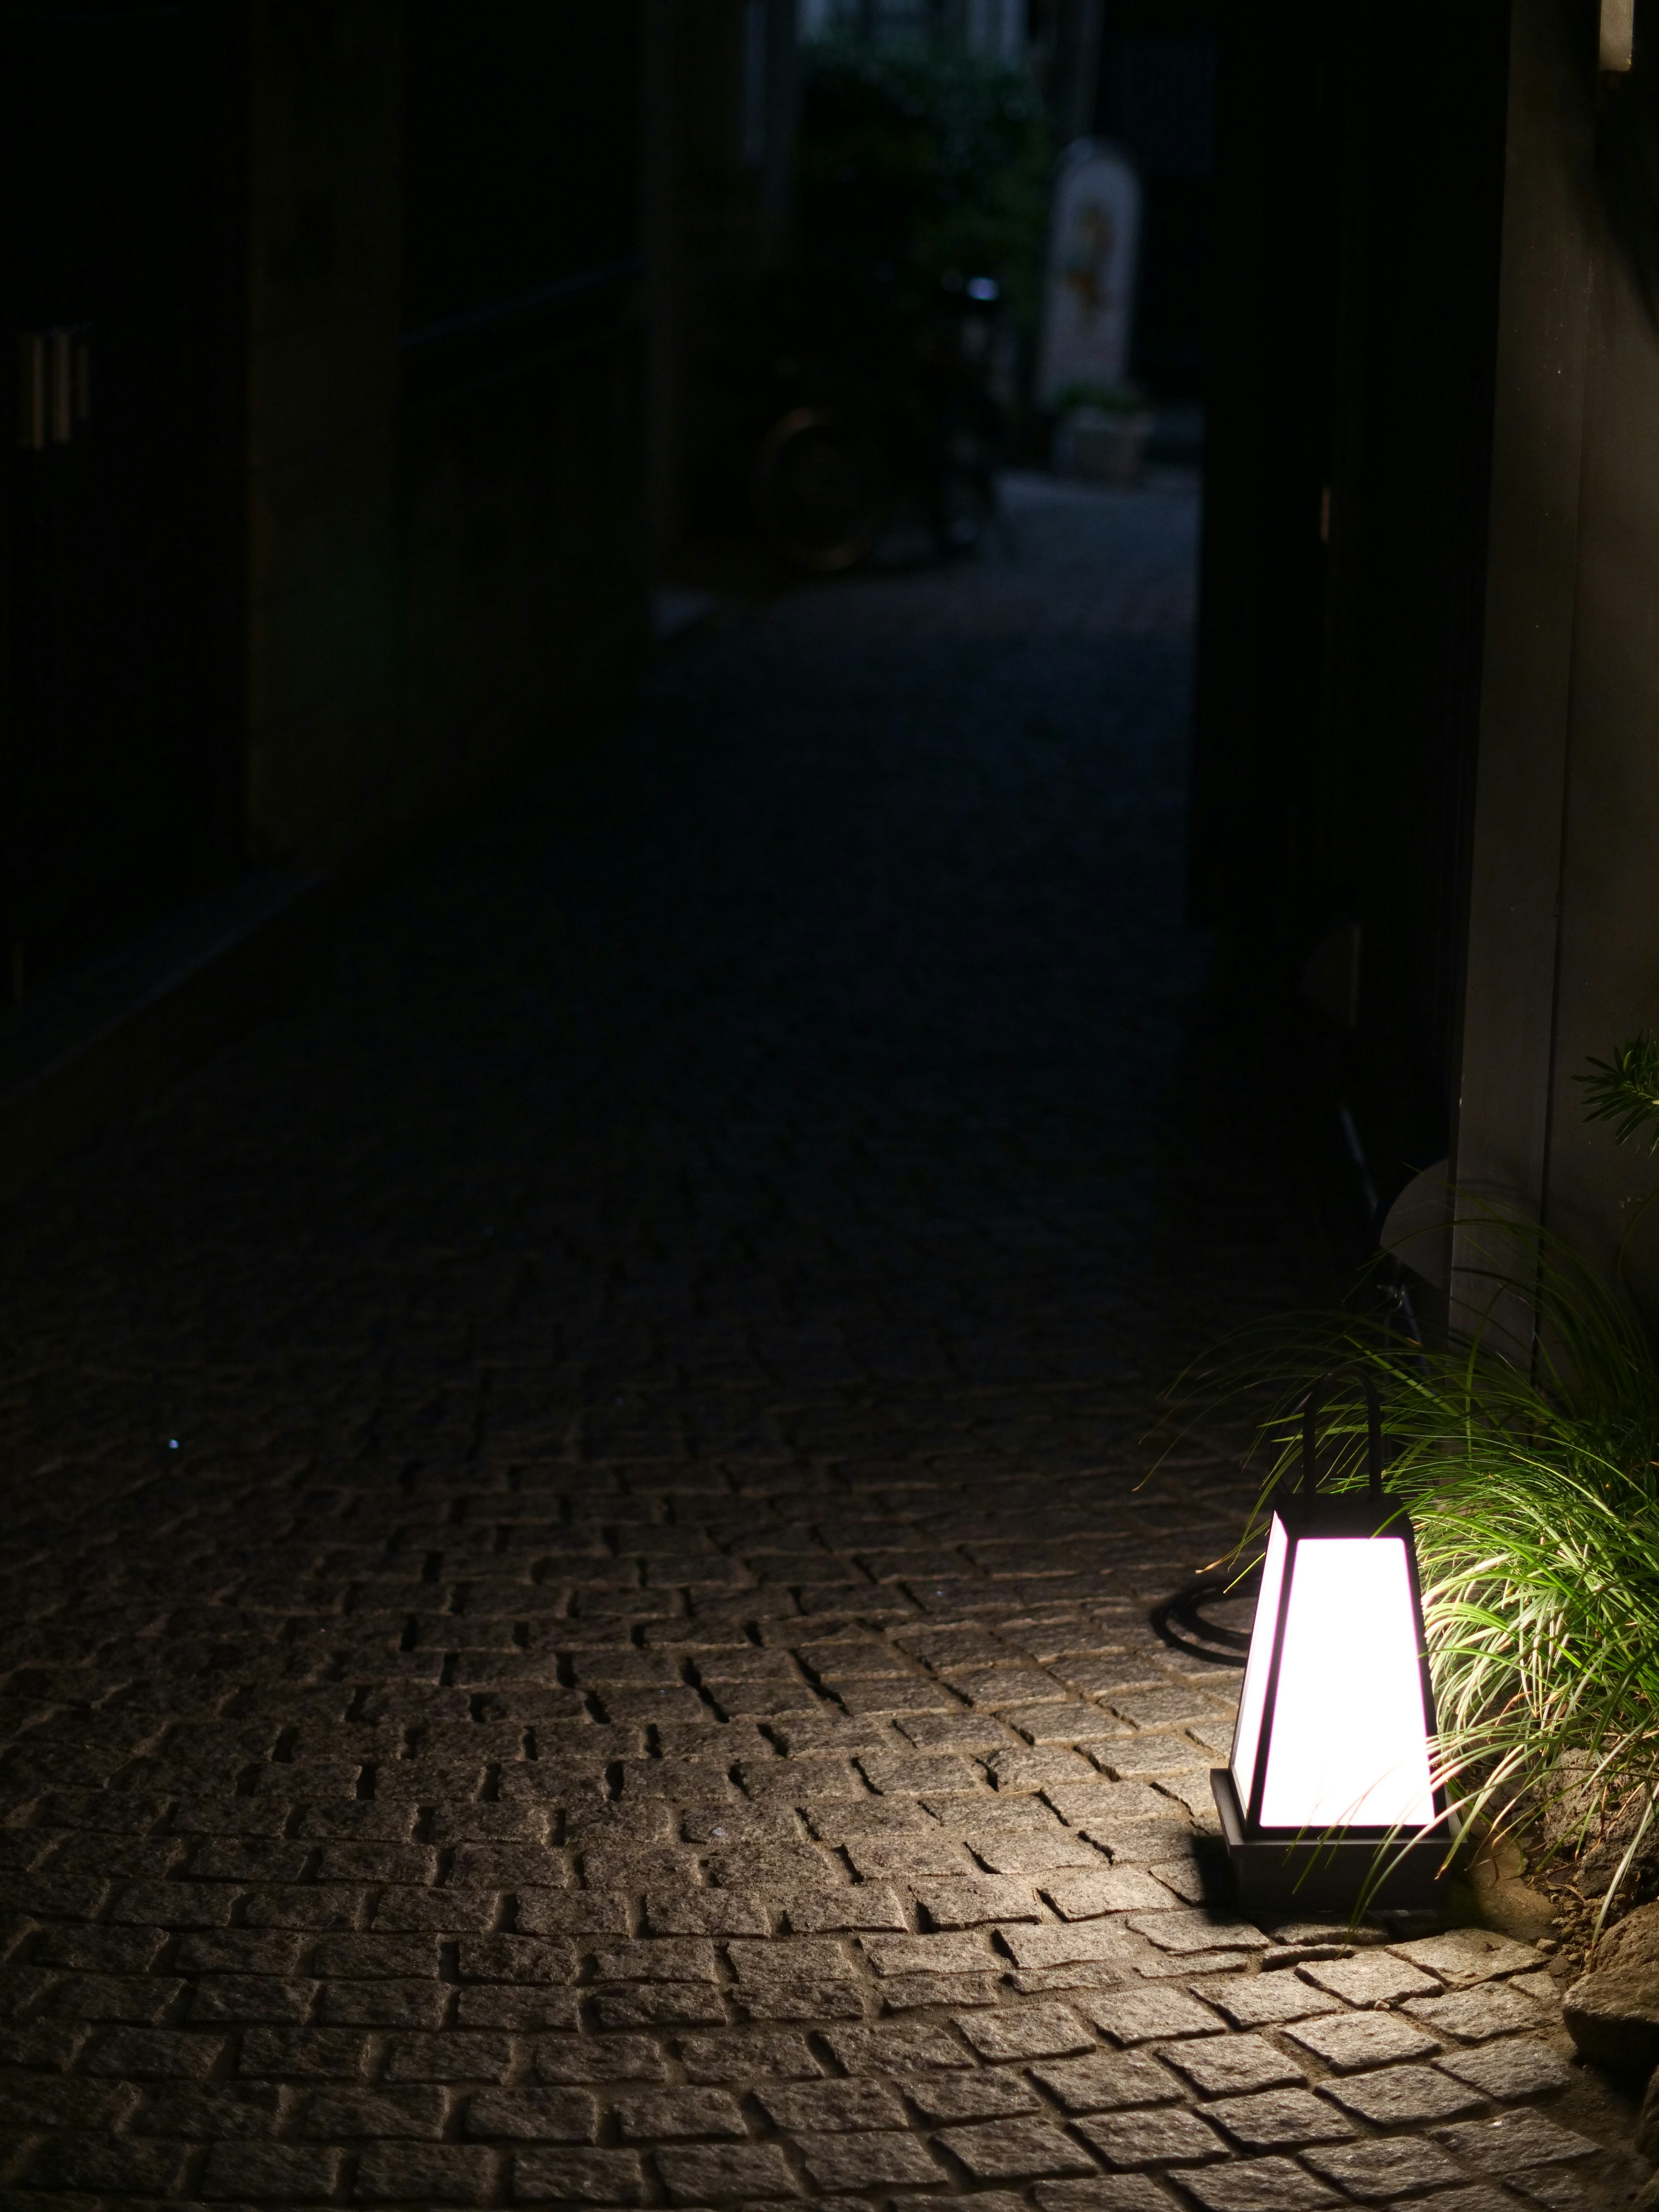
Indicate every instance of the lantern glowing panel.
{"type": "Point", "coordinates": [1349, 1747]}
{"type": "Point", "coordinates": [1332, 1755]}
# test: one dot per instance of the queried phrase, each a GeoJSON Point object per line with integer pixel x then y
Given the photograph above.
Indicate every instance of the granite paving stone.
{"type": "Point", "coordinates": [583, 1500]}
{"type": "Point", "coordinates": [1513, 2141]}
{"type": "Point", "coordinates": [1106, 2082]}
{"type": "Point", "coordinates": [1279, 2119]}
{"type": "Point", "coordinates": [1148, 2016]}
{"type": "Point", "coordinates": [1472, 2015]}
{"type": "Point", "coordinates": [1515, 2066]}
{"type": "Point", "coordinates": [1228, 2065]}
{"type": "Point", "coordinates": [1377, 2172]}
{"type": "Point", "coordinates": [1370, 1978]}
{"type": "Point", "coordinates": [1258, 2185]}
{"type": "Point", "coordinates": [1349, 2042]}
{"type": "Point", "coordinates": [1014, 2149]}
{"type": "Point", "coordinates": [1109, 2192]}
{"type": "Point", "coordinates": [1035, 2031]}
{"type": "Point", "coordinates": [1162, 2137]}
{"type": "Point", "coordinates": [1402, 2096]}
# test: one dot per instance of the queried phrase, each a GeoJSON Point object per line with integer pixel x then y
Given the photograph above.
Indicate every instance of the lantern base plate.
{"type": "Point", "coordinates": [1337, 1874]}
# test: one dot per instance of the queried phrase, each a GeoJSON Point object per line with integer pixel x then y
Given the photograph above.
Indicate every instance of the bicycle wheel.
{"type": "Point", "coordinates": [965, 507]}
{"type": "Point", "coordinates": [821, 492]}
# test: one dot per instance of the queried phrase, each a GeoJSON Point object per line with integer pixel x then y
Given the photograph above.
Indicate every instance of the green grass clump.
{"type": "Point", "coordinates": [1529, 1463]}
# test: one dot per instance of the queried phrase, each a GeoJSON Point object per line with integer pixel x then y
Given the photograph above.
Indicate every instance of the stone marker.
{"type": "Point", "coordinates": [1614, 2018]}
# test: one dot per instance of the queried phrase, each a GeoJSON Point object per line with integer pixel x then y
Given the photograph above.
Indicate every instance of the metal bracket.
{"type": "Point", "coordinates": [54, 385]}
{"type": "Point", "coordinates": [1617, 36]}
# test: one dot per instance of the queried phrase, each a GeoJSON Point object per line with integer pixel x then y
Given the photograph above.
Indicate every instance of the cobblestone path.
{"type": "Point", "coordinates": [578, 1532]}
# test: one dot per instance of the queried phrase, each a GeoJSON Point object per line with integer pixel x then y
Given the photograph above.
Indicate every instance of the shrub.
{"type": "Point", "coordinates": [916, 165]}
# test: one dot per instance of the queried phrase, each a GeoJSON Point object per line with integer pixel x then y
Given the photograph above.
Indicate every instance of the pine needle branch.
{"type": "Point", "coordinates": [1624, 1090]}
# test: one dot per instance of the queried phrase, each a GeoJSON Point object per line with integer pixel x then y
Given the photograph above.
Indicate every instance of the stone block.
{"type": "Point", "coordinates": [1149, 2015]}
{"type": "Point", "coordinates": [1234, 2065]}
{"type": "Point", "coordinates": [1014, 2150]}
{"type": "Point", "coordinates": [712, 2172]}
{"type": "Point", "coordinates": [1472, 2015]}
{"type": "Point", "coordinates": [601, 2058]}
{"type": "Point", "coordinates": [884, 2051]}
{"type": "Point", "coordinates": [1516, 2066]}
{"type": "Point", "coordinates": [987, 2093]}
{"type": "Point", "coordinates": [831, 2107]}
{"type": "Point", "coordinates": [1614, 2018]}
{"type": "Point", "coordinates": [1258, 2185]}
{"type": "Point", "coordinates": [262, 2171]}
{"type": "Point", "coordinates": [865, 1906]}
{"type": "Point", "coordinates": [1033, 2031]}
{"type": "Point", "coordinates": [374, 2004]}
{"type": "Point", "coordinates": [340, 2115]}
{"type": "Point", "coordinates": [1279, 2119]}
{"type": "Point", "coordinates": [578, 2176]}
{"type": "Point", "coordinates": [303, 2054]}
{"type": "Point", "coordinates": [658, 2004]}
{"type": "Point", "coordinates": [453, 2055]}
{"type": "Point", "coordinates": [670, 2115]}
{"type": "Point", "coordinates": [1106, 2192]}
{"type": "Point", "coordinates": [707, 1912]}
{"type": "Point", "coordinates": [89, 2165]}
{"type": "Point", "coordinates": [1514, 2142]}
{"type": "Point", "coordinates": [928, 1954]}
{"type": "Point", "coordinates": [1198, 1931]}
{"type": "Point", "coordinates": [1466, 1956]}
{"type": "Point", "coordinates": [1402, 2096]}
{"type": "Point", "coordinates": [978, 1901]}
{"type": "Point", "coordinates": [743, 2056]}
{"type": "Point", "coordinates": [667, 1959]}
{"type": "Point", "coordinates": [1157, 2135]}
{"type": "Point", "coordinates": [573, 1913]}
{"type": "Point", "coordinates": [1268, 2000]}
{"type": "Point", "coordinates": [1108, 2082]}
{"type": "Point", "coordinates": [1087, 1893]}
{"type": "Point", "coordinates": [1378, 2173]}
{"type": "Point", "coordinates": [1107, 1942]}
{"type": "Point", "coordinates": [1373, 1977]}
{"type": "Point", "coordinates": [1349, 2042]}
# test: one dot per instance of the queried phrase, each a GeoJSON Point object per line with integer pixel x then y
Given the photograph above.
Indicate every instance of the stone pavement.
{"type": "Point", "coordinates": [578, 1521]}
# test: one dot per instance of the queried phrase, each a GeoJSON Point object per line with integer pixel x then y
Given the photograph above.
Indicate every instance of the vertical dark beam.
{"type": "Point", "coordinates": [221, 33]}
{"type": "Point", "coordinates": [1501, 1130]}
{"type": "Point", "coordinates": [1269, 400]}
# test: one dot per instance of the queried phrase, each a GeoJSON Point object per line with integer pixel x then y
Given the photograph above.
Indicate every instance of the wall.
{"type": "Point", "coordinates": [324, 707]}
{"type": "Point", "coordinates": [1563, 924]}
{"type": "Point", "coordinates": [1607, 958]}
{"type": "Point", "coordinates": [448, 564]}
{"type": "Point", "coordinates": [719, 80]}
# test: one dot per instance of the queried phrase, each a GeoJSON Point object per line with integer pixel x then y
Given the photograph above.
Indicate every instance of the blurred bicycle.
{"type": "Point", "coordinates": [892, 425]}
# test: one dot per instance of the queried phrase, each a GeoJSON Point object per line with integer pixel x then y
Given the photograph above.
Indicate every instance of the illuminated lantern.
{"type": "Point", "coordinates": [1330, 1799]}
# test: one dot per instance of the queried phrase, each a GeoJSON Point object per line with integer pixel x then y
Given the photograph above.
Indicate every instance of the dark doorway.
{"type": "Point", "coordinates": [122, 513]}
{"type": "Point", "coordinates": [1350, 432]}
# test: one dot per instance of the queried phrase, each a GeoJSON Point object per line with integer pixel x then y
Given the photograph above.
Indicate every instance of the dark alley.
{"type": "Point", "coordinates": [828, 1106]}
{"type": "Point", "coordinates": [619, 1424]}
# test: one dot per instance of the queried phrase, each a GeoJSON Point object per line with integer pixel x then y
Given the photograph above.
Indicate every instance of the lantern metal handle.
{"type": "Point", "coordinates": [1314, 1399]}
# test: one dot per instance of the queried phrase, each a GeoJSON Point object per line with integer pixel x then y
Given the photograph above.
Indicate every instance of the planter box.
{"type": "Point", "coordinates": [1101, 447]}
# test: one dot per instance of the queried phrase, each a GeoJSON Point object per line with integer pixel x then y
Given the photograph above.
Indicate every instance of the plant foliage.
{"type": "Point", "coordinates": [1624, 1090]}
{"type": "Point", "coordinates": [1532, 1477]}
{"type": "Point", "coordinates": [916, 164]}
